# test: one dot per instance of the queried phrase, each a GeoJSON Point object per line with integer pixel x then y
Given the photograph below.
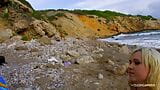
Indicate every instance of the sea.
{"type": "Point", "coordinates": [149, 38]}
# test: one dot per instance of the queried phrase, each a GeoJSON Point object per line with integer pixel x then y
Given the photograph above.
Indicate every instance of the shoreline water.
{"type": "Point", "coordinates": [146, 30]}
{"type": "Point", "coordinates": [148, 39]}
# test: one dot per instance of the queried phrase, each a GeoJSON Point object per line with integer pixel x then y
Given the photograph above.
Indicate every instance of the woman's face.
{"type": "Point", "coordinates": [137, 70]}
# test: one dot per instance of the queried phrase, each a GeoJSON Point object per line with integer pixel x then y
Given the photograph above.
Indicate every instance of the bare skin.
{"type": "Point", "coordinates": [137, 71]}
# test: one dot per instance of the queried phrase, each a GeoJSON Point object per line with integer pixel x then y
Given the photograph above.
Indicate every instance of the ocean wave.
{"type": "Point", "coordinates": [144, 39]}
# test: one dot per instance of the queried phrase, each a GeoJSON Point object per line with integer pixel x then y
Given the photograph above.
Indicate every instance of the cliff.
{"type": "Point", "coordinates": [19, 18]}
{"type": "Point", "coordinates": [61, 52]}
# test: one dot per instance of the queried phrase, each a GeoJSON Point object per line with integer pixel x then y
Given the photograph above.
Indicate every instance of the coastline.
{"type": "Point", "coordinates": [81, 64]}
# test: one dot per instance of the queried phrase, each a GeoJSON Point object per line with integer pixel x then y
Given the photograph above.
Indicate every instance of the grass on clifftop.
{"type": "Point", "coordinates": [109, 15]}
{"type": "Point", "coordinates": [148, 17]}
{"type": "Point", "coordinates": [42, 15]}
{"type": "Point", "coordinates": [106, 14]}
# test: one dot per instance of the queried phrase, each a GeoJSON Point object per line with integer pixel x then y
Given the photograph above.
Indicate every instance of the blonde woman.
{"type": "Point", "coordinates": [144, 69]}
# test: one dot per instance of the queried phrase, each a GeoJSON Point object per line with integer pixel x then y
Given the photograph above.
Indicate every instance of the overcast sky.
{"type": "Point", "coordinates": [142, 7]}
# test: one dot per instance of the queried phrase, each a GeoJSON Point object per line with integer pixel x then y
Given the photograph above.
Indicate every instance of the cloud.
{"type": "Point", "coordinates": [52, 4]}
{"type": "Point", "coordinates": [134, 7]}
{"type": "Point", "coordinates": [155, 9]}
{"type": "Point", "coordinates": [143, 7]}
{"type": "Point", "coordinates": [96, 4]}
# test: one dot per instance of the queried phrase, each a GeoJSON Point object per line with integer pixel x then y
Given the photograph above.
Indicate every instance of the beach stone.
{"type": "Point", "coordinates": [98, 50]}
{"type": "Point", "coordinates": [28, 88]}
{"type": "Point", "coordinates": [45, 40]}
{"type": "Point", "coordinates": [97, 56]}
{"type": "Point", "coordinates": [120, 70]}
{"type": "Point", "coordinates": [73, 53]}
{"type": "Point", "coordinates": [65, 57]}
{"type": "Point", "coordinates": [124, 49]}
{"type": "Point", "coordinates": [22, 88]}
{"type": "Point", "coordinates": [34, 50]}
{"type": "Point", "coordinates": [5, 34]}
{"type": "Point", "coordinates": [21, 48]}
{"type": "Point", "coordinates": [84, 60]}
{"type": "Point", "coordinates": [111, 62]}
{"type": "Point", "coordinates": [100, 76]}
{"type": "Point", "coordinates": [50, 65]}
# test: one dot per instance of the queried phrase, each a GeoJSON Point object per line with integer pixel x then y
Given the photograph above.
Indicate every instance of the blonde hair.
{"type": "Point", "coordinates": [151, 58]}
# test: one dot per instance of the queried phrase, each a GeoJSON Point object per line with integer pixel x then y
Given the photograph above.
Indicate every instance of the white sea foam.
{"type": "Point", "coordinates": [145, 39]}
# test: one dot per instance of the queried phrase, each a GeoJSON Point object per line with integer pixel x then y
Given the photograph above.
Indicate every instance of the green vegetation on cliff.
{"type": "Point", "coordinates": [42, 15]}
{"type": "Point", "coordinates": [149, 17]}
{"type": "Point", "coordinates": [106, 14]}
{"type": "Point", "coordinates": [109, 15]}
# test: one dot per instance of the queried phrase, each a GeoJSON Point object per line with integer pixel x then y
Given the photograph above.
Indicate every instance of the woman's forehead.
{"type": "Point", "coordinates": [137, 56]}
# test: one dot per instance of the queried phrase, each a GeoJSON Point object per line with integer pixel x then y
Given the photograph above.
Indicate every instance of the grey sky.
{"type": "Point", "coordinates": [143, 7]}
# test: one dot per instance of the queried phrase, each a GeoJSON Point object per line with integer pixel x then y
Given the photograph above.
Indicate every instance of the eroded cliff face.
{"type": "Point", "coordinates": [20, 19]}
{"type": "Point", "coordinates": [64, 57]}
{"type": "Point", "coordinates": [118, 25]}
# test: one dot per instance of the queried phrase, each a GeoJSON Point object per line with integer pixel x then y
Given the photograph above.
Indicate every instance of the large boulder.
{"type": "Point", "coordinates": [45, 40]}
{"type": "Point", "coordinates": [43, 28]}
{"type": "Point", "coordinates": [21, 25]}
{"type": "Point", "coordinates": [5, 34]}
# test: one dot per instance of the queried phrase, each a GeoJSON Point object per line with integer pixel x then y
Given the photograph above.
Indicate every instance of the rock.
{"type": "Point", "coordinates": [120, 70]}
{"type": "Point", "coordinates": [96, 83]}
{"type": "Point", "coordinates": [110, 62]}
{"type": "Point", "coordinates": [45, 40]}
{"type": "Point", "coordinates": [43, 28]}
{"type": "Point", "coordinates": [29, 88]}
{"type": "Point", "coordinates": [23, 88]}
{"type": "Point", "coordinates": [84, 60]}
{"type": "Point", "coordinates": [73, 53]}
{"type": "Point", "coordinates": [34, 50]}
{"type": "Point", "coordinates": [65, 57]}
{"type": "Point", "coordinates": [152, 24]}
{"type": "Point", "coordinates": [100, 76]}
{"type": "Point", "coordinates": [50, 65]}
{"type": "Point", "coordinates": [21, 48]}
{"type": "Point", "coordinates": [123, 69]}
{"type": "Point", "coordinates": [5, 34]}
{"type": "Point", "coordinates": [53, 59]}
{"type": "Point", "coordinates": [82, 51]}
{"type": "Point", "coordinates": [98, 50]}
{"type": "Point", "coordinates": [124, 49]}
{"type": "Point", "coordinates": [97, 56]}
{"type": "Point", "coordinates": [21, 25]}
{"type": "Point", "coordinates": [57, 37]}
{"type": "Point", "coordinates": [23, 6]}
{"type": "Point", "coordinates": [20, 88]}
{"type": "Point", "coordinates": [16, 38]}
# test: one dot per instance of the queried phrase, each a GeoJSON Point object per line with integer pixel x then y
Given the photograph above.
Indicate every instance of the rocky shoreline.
{"type": "Point", "coordinates": [57, 52]}
{"type": "Point", "coordinates": [70, 64]}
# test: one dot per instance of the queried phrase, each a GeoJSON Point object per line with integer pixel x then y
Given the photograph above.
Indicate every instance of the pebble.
{"type": "Point", "coordinates": [110, 62]}
{"type": "Point", "coordinates": [100, 76]}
